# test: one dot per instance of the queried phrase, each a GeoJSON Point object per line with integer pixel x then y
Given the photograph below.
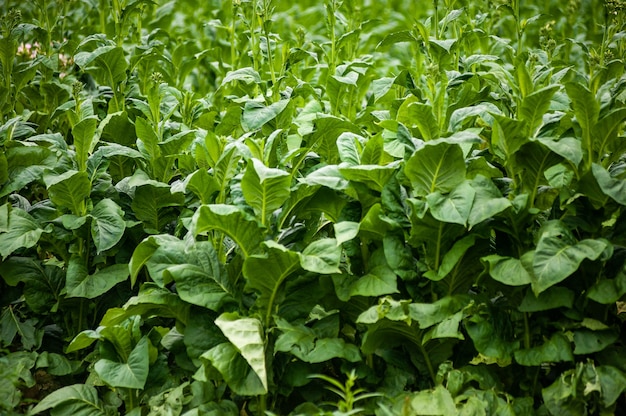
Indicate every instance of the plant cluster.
{"type": "Point", "coordinates": [312, 208]}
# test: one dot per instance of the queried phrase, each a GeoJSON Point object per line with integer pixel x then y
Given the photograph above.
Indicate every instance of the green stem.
{"type": "Point", "coordinates": [429, 364]}
{"type": "Point", "coordinates": [526, 331]}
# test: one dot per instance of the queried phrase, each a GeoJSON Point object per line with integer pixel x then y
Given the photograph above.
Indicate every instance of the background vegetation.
{"type": "Point", "coordinates": [271, 207]}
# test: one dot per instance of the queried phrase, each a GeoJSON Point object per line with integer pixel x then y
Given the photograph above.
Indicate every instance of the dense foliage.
{"type": "Point", "coordinates": [270, 207]}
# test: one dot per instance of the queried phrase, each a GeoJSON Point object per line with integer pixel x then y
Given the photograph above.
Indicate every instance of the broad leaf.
{"type": "Point", "coordinates": [453, 207]}
{"type": "Point", "coordinates": [246, 334]}
{"type": "Point", "coordinates": [107, 224]}
{"type": "Point", "coordinates": [131, 374]}
{"type": "Point", "coordinates": [69, 190]}
{"type": "Point", "coordinates": [84, 143]}
{"type": "Point", "coordinates": [436, 168]}
{"type": "Point", "coordinates": [615, 188]}
{"type": "Point", "coordinates": [231, 221]}
{"type": "Point", "coordinates": [556, 258]}
{"type": "Point", "coordinates": [265, 189]}
{"type": "Point", "coordinates": [433, 402]}
{"type": "Point", "coordinates": [535, 105]}
{"type": "Point", "coordinates": [77, 399]}
{"type": "Point", "coordinates": [255, 114]}
{"type": "Point", "coordinates": [98, 283]}
{"type": "Point", "coordinates": [266, 273]}
{"type": "Point", "coordinates": [152, 205]}
{"type": "Point", "coordinates": [556, 349]}
{"type": "Point", "coordinates": [25, 165]}
{"type": "Point", "coordinates": [321, 256]}
{"type": "Point", "coordinates": [509, 270]}
{"type": "Point", "coordinates": [307, 345]}
{"type": "Point", "coordinates": [19, 230]}
{"type": "Point", "coordinates": [241, 378]}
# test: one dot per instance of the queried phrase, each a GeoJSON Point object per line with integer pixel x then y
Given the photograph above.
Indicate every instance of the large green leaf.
{"type": "Point", "coordinates": [587, 341]}
{"type": "Point", "coordinates": [451, 258]}
{"type": "Point", "coordinates": [613, 382]}
{"type": "Point", "coordinates": [18, 230]}
{"type": "Point", "coordinates": [152, 205]}
{"type": "Point", "coordinates": [433, 402]}
{"type": "Point", "coordinates": [203, 185]}
{"type": "Point", "coordinates": [615, 188]}
{"type": "Point", "coordinates": [436, 168]}
{"type": "Point", "coordinates": [150, 251]}
{"type": "Point", "coordinates": [507, 136]}
{"type": "Point", "coordinates": [321, 256]}
{"type": "Point", "coordinates": [535, 105]}
{"type": "Point", "coordinates": [568, 147]}
{"type": "Point", "coordinates": [84, 134]}
{"type": "Point", "coordinates": [558, 255]}
{"type": "Point", "coordinates": [265, 189]}
{"type": "Point", "coordinates": [201, 281]}
{"type": "Point", "coordinates": [69, 190]}
{"type": "Point", "coordinates": [429, 314]}
{"type": "Point", "coordinates": [453, 207]}
{"type": "Point", "coordinates": [552, 298]}
{"type": "Point", "coordinates": [131, 374]}
{"type": "Point", "coordinates": [241, 378]}
{"type": "Point", "coordinates": [255, 114]}
{"type": "Point", "coordinates": [266, 273]}
{"type": "Point", "coordinates": [554, 350]}
{"type": "Point", "coordinates": [246, 334]}
{"type": "Point", "coordinates": [98, 283]}
{"type": "Point", "coordinates": [232, 221]}
{"type": "Point", "coordinates": [42, 283]}
{"type": "Point", "coordinates": [509, 270]}
{"type": "Point", "coordinates": [107, 225]}
{"type": "Point", "coordinates": [606, 132]}
{"type": "Point", "coordinates": [587, 110]}
{"type": "Point", "coordinates": [374, 176]}
{"type": "Point", "coordinates": [418, 115]}
{"type": "Point", "coordinates": [110, 64]}
{"type": "Point", "coordinates": [533, 160]}
{"type": "Point", "coordinates": [488, 201]}
{"type": "Point", "coordinates": [307, 345]}
{"type": "Point", "coordinates": [77, 400]}
{"type": "Point", "coordinates": [25, 165]}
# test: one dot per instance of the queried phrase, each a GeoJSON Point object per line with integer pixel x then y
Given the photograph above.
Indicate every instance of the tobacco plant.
{"type": "Point", "coordinates": [258, 207]}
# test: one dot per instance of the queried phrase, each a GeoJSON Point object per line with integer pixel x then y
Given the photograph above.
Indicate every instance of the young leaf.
{"type": "Point", "coordinates": [436, 168]}
{"type": "Point", "coordinates": [415, 114]}
{"type": "Point", "coordinates": [378, 281]}
{"type": "Point", "coordinates": [246, 334]}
